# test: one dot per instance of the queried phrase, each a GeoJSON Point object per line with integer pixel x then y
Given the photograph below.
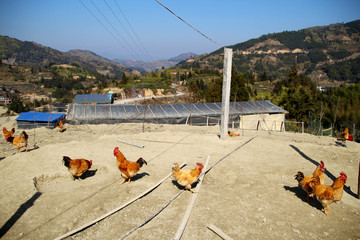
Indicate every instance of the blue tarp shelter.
{"type": "Point", "coordinates": [28, 120]}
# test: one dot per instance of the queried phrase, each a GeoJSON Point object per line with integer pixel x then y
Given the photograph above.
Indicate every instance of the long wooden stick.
{"type": "Point", "coordinates": [220, 233]}
{"type": "Point", "coordinates": [115, 210]}
{"type": "Point", "coordinates": [191, 205]}
{"type": "Point", "coordinates": [130, 143]}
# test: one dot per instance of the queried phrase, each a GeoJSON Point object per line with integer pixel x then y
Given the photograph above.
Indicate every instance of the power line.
{"type": "Point", "coordinates": [117, 40]}
{"type": "Point", "coordinates": [188, 24]}
{"type": "Point", "coordinates": [134, 53]}
{"type": "Point", "coordinates": [118, 19]}
{"type": "Point", "coordinates": [133, 30]}
{"type": "Point", "coordinates": [124, 43]}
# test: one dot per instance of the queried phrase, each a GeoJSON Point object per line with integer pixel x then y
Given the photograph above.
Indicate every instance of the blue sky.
{"type": "Point", "coordinates": [154, 33]}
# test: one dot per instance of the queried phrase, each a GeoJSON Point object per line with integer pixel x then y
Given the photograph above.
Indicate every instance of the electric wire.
{"type": "Point", "coordinates": [188, 24]}
{"type": "Point", "coordinates": [143, 53]}
{"type": "Point", "coordinates": [122, 25]}
{"type": "Point", "coordinates": [107, 29]}
{"type": "Point", "coordinates": [132, 29]}
{"type": "Point", "coordinates": [128, 45]}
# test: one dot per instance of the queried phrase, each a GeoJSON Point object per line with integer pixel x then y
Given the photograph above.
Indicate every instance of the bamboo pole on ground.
{"type": "Point", "coordinates": [130, 143]}
{"type": "Point", "coordinates": [220, 233]}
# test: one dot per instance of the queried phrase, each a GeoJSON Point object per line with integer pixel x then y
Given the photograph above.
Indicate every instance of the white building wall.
{"type": "Point", "coordinates": [270, 122]}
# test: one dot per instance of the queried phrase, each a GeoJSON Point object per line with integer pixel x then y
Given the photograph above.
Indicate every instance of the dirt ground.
{"type": "Point", "coordinates": [250, 194]}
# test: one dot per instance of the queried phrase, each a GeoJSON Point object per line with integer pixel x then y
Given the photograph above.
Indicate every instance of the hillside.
{"type": "Point", "coordinates": [31, 54]}
{"type": "Point", "coordinates": [323, 53]}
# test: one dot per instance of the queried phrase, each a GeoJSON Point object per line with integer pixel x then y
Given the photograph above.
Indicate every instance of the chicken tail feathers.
{"type": "Point", "coordinates": [66, 161]}
{"type": "Point", "coordinates": [299, 176]}
{"type": "Point", "coordinates": [141, 162]}
{"type": "Point", "coordinates": [176, 168]}
{"type": "Point", "coordinates": [24, 134]}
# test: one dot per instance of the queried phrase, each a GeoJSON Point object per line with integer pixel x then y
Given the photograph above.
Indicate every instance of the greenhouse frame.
{"type": "Point", "coordinates": [246, 114]}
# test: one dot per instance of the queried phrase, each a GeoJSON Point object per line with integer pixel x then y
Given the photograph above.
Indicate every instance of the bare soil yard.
{"type": "Point", "coordinates": [250, 194]}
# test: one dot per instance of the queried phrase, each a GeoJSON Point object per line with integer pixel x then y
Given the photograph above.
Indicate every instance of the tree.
{"type": "Point", "coordinates": [296, 94]}
{"type": "Point", "coordinates": [213, 93]}
{"type": "Point", "coordinates": [238, 90]}
{"type": "Point", "coordinates": [124, 79]}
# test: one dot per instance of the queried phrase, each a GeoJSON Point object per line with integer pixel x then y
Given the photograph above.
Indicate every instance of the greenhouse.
{"type": "Point", "coordinates": [251, 114]}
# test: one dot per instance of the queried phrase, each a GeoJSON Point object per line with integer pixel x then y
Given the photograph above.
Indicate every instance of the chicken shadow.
{"type": "Point", "coordinates": [340, 144]}
{"type": "Point", "coordinates": [139, 176]}
{"type": "Point", "coordinates": [17, 215]}
{"type": "Point", "coordinates": [28, 150]}
{"type": "Point", "coordinates": [183, 188]}
{"type": "Point", "coordinates": [329, 174]}
{"type": "Point", "coordinates": [2, 158]}
{"type": "Point", "coordinates": [88, 174]}
{"type": "Point", "coordinates": [298, 192]}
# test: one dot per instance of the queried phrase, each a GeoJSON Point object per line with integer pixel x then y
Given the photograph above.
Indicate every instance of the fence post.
{"type": "Point", "coordinates": [302, 127]}
{"type": "Point", "coordinates": [354, 132]}
{"type": "Point", "coordinates": [331, 130]}
{"type": "Point", "coordinates": [359, 182]}
{"type": "Point", "coordinates": [187, 119]}
{"type": "Point", "coordinates": [321, 130]}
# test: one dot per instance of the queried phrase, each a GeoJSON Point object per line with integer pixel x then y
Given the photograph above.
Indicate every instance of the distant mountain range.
{"type": "Point", "coordinates": [322, 53]}
{"type": "Point", "coordinates": [32, 54]}
{"type": "Point", "coordinates": [155, 65]}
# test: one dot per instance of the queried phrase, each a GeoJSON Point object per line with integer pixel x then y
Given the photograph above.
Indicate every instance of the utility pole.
{"type": "Point", "coordinates": [226, 92]}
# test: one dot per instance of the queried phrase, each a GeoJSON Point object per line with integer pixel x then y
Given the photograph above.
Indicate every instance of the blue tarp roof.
{"type": "Point", "coordinates": [92, 98]}
{"type": "Point", "coordinates": [39, 116]}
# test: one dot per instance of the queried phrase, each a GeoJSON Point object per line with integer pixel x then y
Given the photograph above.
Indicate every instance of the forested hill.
{"type": "Point", "coordinates": [322, 53]}
{"type": "Point", "coordinates": [31, 54]}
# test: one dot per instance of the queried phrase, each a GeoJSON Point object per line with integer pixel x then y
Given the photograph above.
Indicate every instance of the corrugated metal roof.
{"type": "Point", "coordinates": [140, 112]}
{"type": "Point", "coordinates": [39, 116]}
{"type": "Point", "coordinates": [93, 98]}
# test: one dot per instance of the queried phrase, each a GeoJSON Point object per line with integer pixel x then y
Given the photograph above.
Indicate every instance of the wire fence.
{"type": "Point", "coordinates": [316, 127]}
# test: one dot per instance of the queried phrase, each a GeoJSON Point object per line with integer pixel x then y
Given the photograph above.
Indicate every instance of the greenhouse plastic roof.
{"type": "Point", "coordinates": [39, 116]}
{"type": "Point", "coordinates": [93, 98]}
{"type": "Point", "coordinates": [170, 111]}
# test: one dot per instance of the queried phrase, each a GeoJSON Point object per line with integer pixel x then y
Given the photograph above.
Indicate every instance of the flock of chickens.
{"type": "Point", "coordinates": [313, 185]}
{"type": "Point", "coordinates": [128, 169]}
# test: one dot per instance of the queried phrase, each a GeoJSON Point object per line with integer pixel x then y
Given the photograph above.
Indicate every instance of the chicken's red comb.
{"type": "Point", "coordinates": [116, 149]}
{"type": "Point", "coordinates": [322, 163]}
{"type": "Point", "coordinates": [343, 174]}
{"type": "Point", "coordinates": [200, 165]}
